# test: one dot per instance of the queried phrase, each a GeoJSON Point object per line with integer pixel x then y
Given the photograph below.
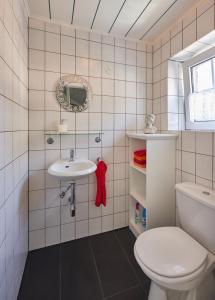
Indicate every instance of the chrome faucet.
{"type": "Point", "coordinates": [72, 152]}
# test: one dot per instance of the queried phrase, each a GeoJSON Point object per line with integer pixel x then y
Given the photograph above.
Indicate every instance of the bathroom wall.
{"type": "Point", "coordinates": [195, 150]}
{"type": "Point", "coordinates": [120, 73]}
{"type": "Point", "coordinates": [13, 145]}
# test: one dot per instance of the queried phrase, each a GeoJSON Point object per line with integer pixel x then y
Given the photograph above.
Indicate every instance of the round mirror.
{"type": "Point", "coordinates": [73, 93]}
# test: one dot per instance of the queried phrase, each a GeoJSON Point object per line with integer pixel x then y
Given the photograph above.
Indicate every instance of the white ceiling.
{"type": "Point", "coordinates": [134, 19]}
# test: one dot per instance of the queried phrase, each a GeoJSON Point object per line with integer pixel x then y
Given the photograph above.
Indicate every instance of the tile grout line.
{"type": "Point", "coordinates": [101, 123]}
{"type": "Point", "coordinates": [60, 272]}
{"type": "Point", "coordinates": [28, 151]}
{"type": "Point", "coordinates": [125, 134]}
{"type": "Point", "coordinates": [97, 271]}
{"type": "Point", "coordinates": [122, 292]}
{"type": "Point", "coordinates": [113, 129]}
{"type": "Point", "coordinates": [44, 137]}
{"type": "Point", "coordinates": [100, 281]}
{"type": "Point", "coordinates": [88, 136]}
{"type": "Point", "coordinates": [212, 160]}
{"type": "Point", "coordinates": [60, 138]}
{"type": "Point", "coordinates": [85, 39]}
{"type": "Point", "coordinates": [129, 262]}
{"type": "Point", "coordinates": [75, 136]}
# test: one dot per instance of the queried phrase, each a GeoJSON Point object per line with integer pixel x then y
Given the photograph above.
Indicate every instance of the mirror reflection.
{"type": "Point", "coordinates": [73, 93]}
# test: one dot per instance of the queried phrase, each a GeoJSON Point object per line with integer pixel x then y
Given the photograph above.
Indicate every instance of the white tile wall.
{"type": "Point", "coordinates": [195, 150]}
{"type": "Point", "coordinates": [168, 94]}
{"type": "Point", "coordinates": [13, 145]}
{"type": "Point", "coordinates": [195, 158]}
{"type": "Point", "coordinates": [121, 78]}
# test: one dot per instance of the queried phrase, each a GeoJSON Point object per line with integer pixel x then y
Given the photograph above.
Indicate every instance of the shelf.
{"type": "Point", "coordinates": [139, 198]}
{"type": "Point", "coordinates": [52, 134]}
{"type": "Point", "coordinates": [155, 136]}
{"type": "Point", "coordinates": [137, 229]}
{"type": "Point", "coordinates": [152, 187]}
{"type": "Point", "coordinates": [139, 169]}
{"type": "Point", "coordinates": [72, 132]}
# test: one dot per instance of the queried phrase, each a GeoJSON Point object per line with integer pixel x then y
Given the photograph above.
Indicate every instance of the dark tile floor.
{"type": "Point", "coordinates": [94, 268]}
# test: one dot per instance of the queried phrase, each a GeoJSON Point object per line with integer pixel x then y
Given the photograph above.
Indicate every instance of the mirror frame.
{"type": "Point", "coordinates": [69, 80]}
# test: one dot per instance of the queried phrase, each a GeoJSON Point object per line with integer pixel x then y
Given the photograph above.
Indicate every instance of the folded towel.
{"type": "Point", "coordinates": [101, 188]}
{"type": "Point", "coordinates": [140, 158]}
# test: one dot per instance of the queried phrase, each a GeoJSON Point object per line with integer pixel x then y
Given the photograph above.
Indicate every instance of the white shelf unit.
{"type": "Point", "coordinates": [153, 187]}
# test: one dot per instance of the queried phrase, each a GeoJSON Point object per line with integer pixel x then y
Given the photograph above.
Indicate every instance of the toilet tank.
{"type": "Point", "coordinates": [196, 212]}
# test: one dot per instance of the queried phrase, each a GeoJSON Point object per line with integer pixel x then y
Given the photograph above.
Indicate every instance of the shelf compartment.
{"type": "Point", "coordinates": [139, 198]}
{"type": "Point", "coordinates": [139, 169]}
{"type": "Point", "coordinates": [136, 228]}
{"type": "Point", "coordinates": [138, 186]}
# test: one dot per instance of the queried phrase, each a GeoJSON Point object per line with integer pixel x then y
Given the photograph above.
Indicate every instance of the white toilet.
{"type": "Point", "coordinates": [180, 261]}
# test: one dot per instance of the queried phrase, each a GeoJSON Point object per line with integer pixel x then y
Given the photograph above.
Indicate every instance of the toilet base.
{"type": "Point", "coordinates": [206, 291]}
{"type": "Point", "coordinates": [159, 293]}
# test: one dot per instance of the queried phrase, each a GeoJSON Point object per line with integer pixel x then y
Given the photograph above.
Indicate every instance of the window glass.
{"type": "Point", "coordinates": [202, 106]}
{"type": "Point", "coordinates": [202, 78]}
{"type": "Point", "coordinates": [199, 91]}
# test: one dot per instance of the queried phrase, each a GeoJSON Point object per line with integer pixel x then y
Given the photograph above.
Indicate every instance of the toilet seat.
{"type": "Point", "coordinates": [175, 255]}
{"type": "Point", "coordinates": [174, 283]}
{"type": "Point", "coordinates": [158, 260]}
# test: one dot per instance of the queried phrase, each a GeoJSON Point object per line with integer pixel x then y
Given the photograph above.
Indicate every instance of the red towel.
{"type": "Point", "coordinates": [101, 189]}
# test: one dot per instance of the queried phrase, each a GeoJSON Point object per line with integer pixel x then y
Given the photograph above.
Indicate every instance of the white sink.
{"type": "Point", "coordinates": [70, 170]}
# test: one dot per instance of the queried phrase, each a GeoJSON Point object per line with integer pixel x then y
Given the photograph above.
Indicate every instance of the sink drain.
{"type": "Point", "coordinates": [206, 193]}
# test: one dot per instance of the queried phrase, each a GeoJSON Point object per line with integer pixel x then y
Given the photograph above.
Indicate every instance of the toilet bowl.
{"type": "Point", "coordinates": [180, 260]}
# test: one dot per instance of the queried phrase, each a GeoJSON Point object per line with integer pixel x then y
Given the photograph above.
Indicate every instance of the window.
{"type": "Point", "coordinates": [199, 85]}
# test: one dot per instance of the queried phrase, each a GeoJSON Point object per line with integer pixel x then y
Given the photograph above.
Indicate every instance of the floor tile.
{"type": "Point", "coordinates": [78, 272]}
{"type": "Point", "coordinates": [98, 266]}
{"type": "Point", "coordinates": [115, 272]}
{"type": "Point", "coordinates": [127, 240]}
{"type": "Point", "coordinates": [41, 279]}
{"type": "Point", "coordinates": [133, 294]}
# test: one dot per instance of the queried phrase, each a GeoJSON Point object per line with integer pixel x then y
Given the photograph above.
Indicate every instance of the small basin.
{"type": "Point", "coordinates": [71, 170]}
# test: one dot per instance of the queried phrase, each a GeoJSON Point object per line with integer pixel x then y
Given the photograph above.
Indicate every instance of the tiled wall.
{"type": "Point", "coordinates": [195, 150]}
{"type": "Point", "coordinates": [195, 157]}
{"type": "Point", "coordinates": [167, 82]}
{"type": "Point", "coordinates": [120, 74]}
{"type": "Point", "coordinates": [13, 145]}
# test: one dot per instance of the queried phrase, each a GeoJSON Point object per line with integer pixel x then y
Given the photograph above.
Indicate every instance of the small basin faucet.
{"type": "Point", "coordinates": [72, 152]}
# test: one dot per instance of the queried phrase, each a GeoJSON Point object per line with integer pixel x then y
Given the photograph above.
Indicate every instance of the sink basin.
{"type": "Point", "coordinates": [70, 170]}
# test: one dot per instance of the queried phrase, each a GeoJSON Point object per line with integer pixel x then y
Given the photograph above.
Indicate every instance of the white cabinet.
{"type": "Point", "coordinates": [153, 186]}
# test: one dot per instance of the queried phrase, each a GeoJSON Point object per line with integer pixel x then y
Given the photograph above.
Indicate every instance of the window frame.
{"type": "Point", "coordinates": [188, 87]}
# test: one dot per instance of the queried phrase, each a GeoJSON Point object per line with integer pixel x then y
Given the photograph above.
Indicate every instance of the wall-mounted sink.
{"type": "Point", "coordinates": [71, 170]}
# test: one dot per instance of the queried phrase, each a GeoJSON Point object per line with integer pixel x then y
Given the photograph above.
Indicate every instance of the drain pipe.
{"type": "Point", "coordinates": [63, 193]}
{"type": "Point", "coordinates": [72, 198]}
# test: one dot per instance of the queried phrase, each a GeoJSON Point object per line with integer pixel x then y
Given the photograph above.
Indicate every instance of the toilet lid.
{"type": "Point", "coordinates": [170, 251]}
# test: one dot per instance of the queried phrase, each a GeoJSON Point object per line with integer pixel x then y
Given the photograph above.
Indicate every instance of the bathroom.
{"type": "Point", "coordinates": [107, 149]}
